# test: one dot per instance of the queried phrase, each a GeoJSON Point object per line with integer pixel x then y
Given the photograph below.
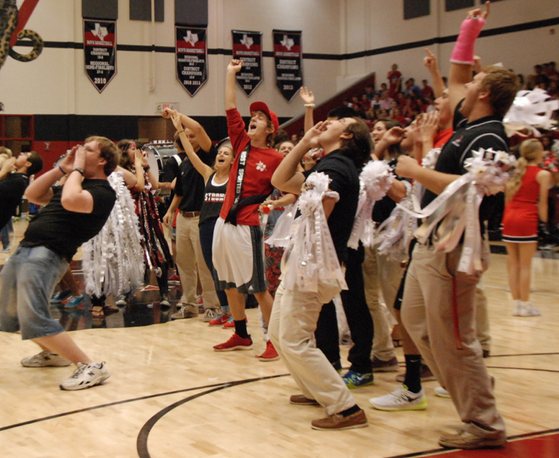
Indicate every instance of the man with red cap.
{"type": "Point", "coordinates": [237, 244]}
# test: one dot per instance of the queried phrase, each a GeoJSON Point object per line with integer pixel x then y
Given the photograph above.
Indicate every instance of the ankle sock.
{"type": "Point", "coordinates": [413, 373]}
{"type": "Point", "coordinates": [241, 328]}
{"type": "Point", "coordinates": [350, 411]}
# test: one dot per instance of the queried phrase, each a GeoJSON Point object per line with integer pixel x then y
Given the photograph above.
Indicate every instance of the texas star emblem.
{"type": "Point", "coordinates": [261, 166]}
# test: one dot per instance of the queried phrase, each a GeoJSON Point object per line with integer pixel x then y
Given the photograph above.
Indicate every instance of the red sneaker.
{"type": "Point", "coordinates": [231, 323]}
{"type": "Point", "coordinates": [174, 278]}
{"type": "Point", "coordinates": [221, 319]}
{"type": "Point", "coordinates": [236, 342]}
{"type": "Point", "coordinates": [270, 354]}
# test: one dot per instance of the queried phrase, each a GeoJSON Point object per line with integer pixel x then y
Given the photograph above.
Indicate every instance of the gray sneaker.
{"type": "Point", "coordinates": [186, 311]}
{"type": "Point", "coordinates": [86, 376]}
{"type": "Point", "coordinates": [45, 359]}
{"type": "Point", "coordinates": [210, 314]}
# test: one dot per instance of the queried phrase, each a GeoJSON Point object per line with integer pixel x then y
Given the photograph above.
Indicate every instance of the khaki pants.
{"type": "Point", "coordinates": [291, 330]}
{"type": "Point", "coordinates": [189, 256]}
{"type": "Point", "coordinates": [427, 313]}
{"type": "Point", "coordinates": [380, 273]}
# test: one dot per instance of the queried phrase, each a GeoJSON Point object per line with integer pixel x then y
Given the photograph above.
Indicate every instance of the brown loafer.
{"type": "Point", "coordinates": [301, 400]}
{"type": "Point", "coordinates": [339, 422]}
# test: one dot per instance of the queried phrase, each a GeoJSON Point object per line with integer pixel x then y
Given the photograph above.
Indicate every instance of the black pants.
{"type": "Point", "coordinates": [358, 317]}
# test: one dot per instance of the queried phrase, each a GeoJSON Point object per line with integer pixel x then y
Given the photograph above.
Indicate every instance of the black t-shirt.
{"type": "Point", "coordinates": [63, 231]}
{"type": "Point", "coordinates": [345, 181]}
{"type": "Point", "coordinates": [11, 192]}
{"type": "Point", "coordinates": [190, 184]}
{"type": "Point", "coordinates": [487, 132]}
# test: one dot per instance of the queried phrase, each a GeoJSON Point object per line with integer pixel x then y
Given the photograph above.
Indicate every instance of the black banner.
{"type": "Point", "coordinates": [192, 58]}
{"type": "Point", "coordinates": [99, 46]}
{"type": "Point", "coordinates": [288, 57]}
{"type": "Point", "coordinates": [247, 46]}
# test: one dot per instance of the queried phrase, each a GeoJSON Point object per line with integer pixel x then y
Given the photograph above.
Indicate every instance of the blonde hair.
{"type": "Point", "coordinates": [529, 150]}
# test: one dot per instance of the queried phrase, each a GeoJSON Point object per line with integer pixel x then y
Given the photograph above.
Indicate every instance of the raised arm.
{"type": "Point", "coordinates": [40, 191]}
{"type": "Point", "coordinates": [462, 60]}
{"type": "Point", "coordinates": [230, 96]}
{"type": "Point", "coordinates": [203, 169]}
{"type": "Point", "coordinates": [74, 198]}
{"type": "Point", "coordinates": [430, 61]}
{"type": "Point", "coordinates": [140, 181]}
{"type": "Point", "coordinates": [129, 178]}
{"type": "Point", "coordinates": [7, 167]}
{"type": "Point", "coordinates": [308, 100]}
{"type": "Point", "coordinates": [202, 136]}
{"type": "Point", "coordinates": [286, 178]}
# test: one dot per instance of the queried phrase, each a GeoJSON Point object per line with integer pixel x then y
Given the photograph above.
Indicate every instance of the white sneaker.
{"type": "Point", "coordinates": [86, 376]}
{"type": "Point", "coordinates": [45, 359]}
{"type": "Point", "coordinates": [441, 392]}
{"type": "Point", "coordinates": [401, 399]}
{"type": "Point", "coordinates": [209, 315]}
{"type": "Point", "coordinates": [529, 310]}
{"type": "Point", "coordinates": [517, 311]}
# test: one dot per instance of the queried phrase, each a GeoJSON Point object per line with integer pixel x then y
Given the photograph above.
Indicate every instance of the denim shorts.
{"type": "Point", "coordinates": [28, 280]}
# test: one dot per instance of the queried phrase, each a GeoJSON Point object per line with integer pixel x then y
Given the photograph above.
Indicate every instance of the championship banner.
{"type": "Point", "coordinates": [99, 46]}
{"type": "Point", "coordinates": [247, 46]}
{"type": "Point", "coordinates": [288, 57]}
{"type": "Point", "coordinates": [192, 58]}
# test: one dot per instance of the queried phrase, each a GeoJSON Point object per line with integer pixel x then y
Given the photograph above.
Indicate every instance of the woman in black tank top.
{"type": "Point", "coordinates": [216, 179]}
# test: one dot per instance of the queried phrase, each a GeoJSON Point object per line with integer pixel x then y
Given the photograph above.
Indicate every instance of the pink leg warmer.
{"type": "Point", "coordinates": [463, 52]}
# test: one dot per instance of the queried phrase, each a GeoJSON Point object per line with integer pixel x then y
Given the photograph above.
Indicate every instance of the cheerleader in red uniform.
{"type": "Point", "coordinates": [526, 203]}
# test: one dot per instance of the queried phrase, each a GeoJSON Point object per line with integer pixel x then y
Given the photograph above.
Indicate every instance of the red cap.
{"type": "Point", "coordinates": [261, 106]}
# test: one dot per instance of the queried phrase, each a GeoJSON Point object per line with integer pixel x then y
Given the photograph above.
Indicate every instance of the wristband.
{"type": "Point", "coordinates": [78, 169]}
{"type": "Point", "coordinates": [180, 131]}
{"type": "Point", "coordinates": [62, 170]}
{"type": "Point", "coordinates": [146, 168]}
{"type": "Point", "coordinates": [463, 52]}
{"type": "Point", "coordinates": [310, 105]}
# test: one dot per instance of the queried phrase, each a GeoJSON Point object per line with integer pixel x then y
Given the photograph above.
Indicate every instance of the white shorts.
{"type": "Point", "coordinates": [238, 257]}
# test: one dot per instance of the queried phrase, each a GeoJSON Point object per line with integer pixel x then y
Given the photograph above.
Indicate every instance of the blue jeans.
{"type": "Point", "coordinates": [5, 235]}
{"type": "Point", "coordinates": [28, 281]}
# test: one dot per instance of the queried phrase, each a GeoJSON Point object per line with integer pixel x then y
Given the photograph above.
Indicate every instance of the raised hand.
{"type": "Point", "coordinates": [306, 95]}
{"type": "Point", "coordinates": [8, 165]}
{"type": "Point", "coordinates": [430, 61]}
{"type": "Point", "coordinates": [394, 135]}
{"type": "Point", "coordinates": [176, 118]}
{"type": "Point", "coordinates": [477, 13]}
{"type": "Point", "coordinates": [235, 65]}
{"type": "Point", "coordinates": [67, 163]}
{"type": "Point", "coordinates": [429, 126]}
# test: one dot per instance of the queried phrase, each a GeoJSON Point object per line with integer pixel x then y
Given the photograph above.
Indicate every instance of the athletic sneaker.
{"type": "Point", "coordinates": [74, 301]}
{"type": "Point", "coordinates": [174, 280]}
{"type": "Point", "coordinates": [220, 320]}
{"type": "Point", "coordinates": [86, 376]}
{"type": "Point", "coordinates": [425, 374]}
{"type": "Point", "coordinates": [185, 311]}
{"type": "Point", "coordinates": [121, 301]}
{"type": "Point", "coordinates": [339, 422]}
{"type": "Point", "coordinates": [401, 399]}
{"type": "Point", "coordinates": [60, 296]}
{"type": "Point", "coordinates": [45, 359]}
{"type": "Point", "coordinates": [236, 342]}
{"type": "Point", "coordinates": [5, 250]}
{"type": "Point", "coordinates": [528, 309]}
{"type": "Point", "coordinates": [468, 441]}
{"type": "Point", "coordinates": [385, 366]}
{"type": "Point", "coordinates": [441, 392]}
{"type": "Point", "coordinates": [231, 322]}
{"type": "Point", "coordinates": [357, 380]}
{"type": "Point", "coordinates": [209, 315]}
{"type": "Point", "coordinates": [270, 354]}
{"type": "Point", "coordinates": [165, 301]}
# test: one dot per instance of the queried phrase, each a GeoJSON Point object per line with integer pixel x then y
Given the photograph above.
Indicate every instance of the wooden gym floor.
{"type": "Point", "coordinates": [170, 395]}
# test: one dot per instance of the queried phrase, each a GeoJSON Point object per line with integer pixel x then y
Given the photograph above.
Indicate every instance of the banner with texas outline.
{"type": "Point", "coordinates": [288, 57]}
{"type": "Point", "coordinates": [192, 58]}
{"type": "Point", "coordinates": [247, 46]}
{"type": "Point", "coordinates": [99, 46]}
